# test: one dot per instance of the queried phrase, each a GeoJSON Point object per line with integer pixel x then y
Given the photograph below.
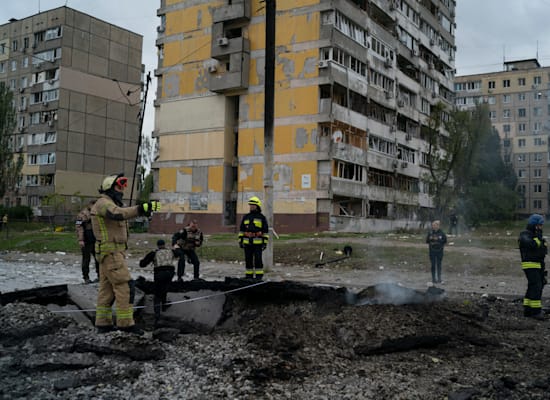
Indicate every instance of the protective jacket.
{"type": "Point", "coordinates": [110, 226]}
{"type": "Point", "coordinates": [254, 229]}
{"type": "Point", "coordinates": [83, 225]}
{"type": "Point", "coordinates": [161, 259]}
{"type": "Point", "coordinates": [532, 248]}
{"type": "Point", "coordinates": [187, 238]}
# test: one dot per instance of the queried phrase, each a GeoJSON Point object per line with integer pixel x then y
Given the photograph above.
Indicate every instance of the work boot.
{"type": "Point", "coordinates": [180, 279]}
{"type": "Point", "coordinates": [134, 329]}
{"type": "Point", "coordinates": [538, 316]}
{"type": "Point", "coordinates": [105, 328]}
{"type": "Point", "coordinates": [87, 281]}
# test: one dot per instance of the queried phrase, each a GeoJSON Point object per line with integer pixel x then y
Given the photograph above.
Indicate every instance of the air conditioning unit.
{"type": "Point", "coordinates": [223, 41]}
{"type": "Point", "coordinates": [323, 63]}
{"type": "Point", "coordinates": [45, 104]}
{"type": "Point", "coordinates": [50, 123]}
{"type": "Point", "coordinates": [212, 68]}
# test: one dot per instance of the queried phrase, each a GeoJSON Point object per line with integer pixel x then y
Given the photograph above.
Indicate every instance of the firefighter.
{"type": "Point", "coordinates": [109, 223]}
{"type": "Point", "coordinates": [533, 249]}
{"type": "Point", "coordinates": [185, 241]}
{"type": "Point", "coordinates": [86, 240]}
{"type": "Point", "coordinates": [163, 261]}
{"type": "Point", "coordinates": [436, 240]}
{"type": "Point", "coordinates": [253, 237]}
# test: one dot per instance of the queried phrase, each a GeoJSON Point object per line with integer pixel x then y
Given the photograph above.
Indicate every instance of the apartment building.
{"type": "Point", "coordinates": [519, 109]}
{"type": "Point", "coordinates": [77, 86]}
{"type": "Point", "coordinates": [355, 83]}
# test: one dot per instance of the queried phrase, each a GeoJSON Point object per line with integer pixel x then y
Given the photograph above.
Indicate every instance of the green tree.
{"type": "Point", "coordinates": [147, 189]}
{"type": "Point", "coordinates": [11, 163]}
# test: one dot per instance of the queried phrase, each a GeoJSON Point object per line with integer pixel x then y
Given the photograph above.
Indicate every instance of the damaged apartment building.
{"type": "Point", "coordinates": [355, 82]}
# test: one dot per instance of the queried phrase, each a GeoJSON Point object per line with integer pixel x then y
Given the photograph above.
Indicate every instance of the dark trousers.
{"type": "Point", "coordinates": [162, 277]}
{"type": "Point", "coordinates": [193, 259]}
{"type": "Point", "coordinates": [532, 301]}
{"type": "Point", "coordinates": [435, 258]}
{"type": "Point", "coordinates": [253, 261]}
{"type": "Point", "coordinates": [88, 251]}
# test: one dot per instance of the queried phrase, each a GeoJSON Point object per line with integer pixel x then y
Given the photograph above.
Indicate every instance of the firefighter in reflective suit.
{"type": "Point", "coordinates": [109, 223]}
{"type": "Point", "coordinates": [533, 249]}
{"type": "Point", "coordinates": [253, 238]}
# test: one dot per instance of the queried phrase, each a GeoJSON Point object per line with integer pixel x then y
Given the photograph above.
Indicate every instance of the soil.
{"type": "Point", "coordinates": [474, 344]}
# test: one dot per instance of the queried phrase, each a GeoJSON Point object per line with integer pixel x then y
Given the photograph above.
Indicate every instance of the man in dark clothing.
{"type": "Point", "coordinates": [163, 260]}
{"type": "Point", "coordinates": [436, 240]}
{"type": "Point", "coordinates": [253, 238]}
{"type": "Point", "coordinates": [86, 240]}
{"type": "Point", "coordinates": [453, 224]}
{"type": "Point", "coordinates": [185, 241]}
{"type": "Point", "coordinates": [533, 249]}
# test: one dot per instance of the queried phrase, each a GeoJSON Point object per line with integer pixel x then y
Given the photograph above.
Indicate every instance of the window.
{"type": "Point", "coordinates": [521, 173]}
{"type": "Point", "coordinates": [13, 65]}
{"type": "Point", "coordinates": [492, 114]}
{"type": "Point", "coordinates": [521, 189]}
{"type": "Point", "coordinates": [41, 159]}
{"type": "Point", "coordinates": [14, 45]}
{"type": "Point", "coordinates": [506, 98]}
{"type": "Point", "coordinates": [537, 204]}
{"type": "Point", "coordinates": [538, 141]}
{"type": "Point", "coordinates": [506, 83]}
{"type": "Point", "coordinates": [521, 142]}
{"type": "Point", "coordinates": [537, 80]}
{"type": "Point", "coordinates": [537, 127]}
{"type": "Point", "coordinates": [506, 128]}
{"type": "Point", "coordinates": [521, 81]}
{"type": "Point", "coordinates": [522, 127]}
{"type": "Point", "coordinates": [53, 33]}
{"type": "Point", "coordinates": [506, 113]}
{"type": "Point", "coordinates": [522, 113]}
{"type": "Point", "coordinates": [537, 188]}
{"type": "Point", "coordinates": [349, 171]}
{"type": "Point", "coordinates": [537, 173]}
{"type": "Point", "coordinates": [2, 67]}
{"type": "Point", "coordinates": [26, 43]}
{"type": "Point", "coordinates": [522, 158]}
{"type": "Point", "coordinates": [25, 62]}
{"type": "Point", "coordinates": [538, 157]}
{"type": "Point", "coordinates": [521, 96]}
{"type": "Point", "coordinates": [492, 84]}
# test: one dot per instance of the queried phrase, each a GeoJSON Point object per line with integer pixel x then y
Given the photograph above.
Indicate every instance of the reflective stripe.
{"type": "Point", "coordinates": [532, 303]}
{"type": "Point", "coordinates": [103, 312]}
{"type": "Point", "coordinates": [530, 264]}
{"type": "Point", "coordinates": [127, 313]}
{"type": "Point", "coordinates": [537, 241]}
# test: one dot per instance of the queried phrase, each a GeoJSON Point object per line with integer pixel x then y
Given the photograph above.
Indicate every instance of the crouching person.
{"type": "Point", "coordinates": [109, 223]}
{"type": "Point", "coordinates": [163, 260]}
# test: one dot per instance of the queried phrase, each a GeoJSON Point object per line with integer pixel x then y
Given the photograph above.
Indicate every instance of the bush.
{"type": "Point", "coordinates": [17, 212]}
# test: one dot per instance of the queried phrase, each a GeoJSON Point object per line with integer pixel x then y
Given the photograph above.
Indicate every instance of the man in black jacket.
{"type": "Point", "coordinates": [185, 241]}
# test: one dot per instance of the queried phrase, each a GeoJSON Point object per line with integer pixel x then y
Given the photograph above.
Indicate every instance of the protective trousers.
{"type": "Point", "coordinates": [87, 252]}
{"type": "Point", "coordinates": [253, 261]}
{"type": "Point", "coordinates": [115, 284]}
{"type": "Point", "coordinates": [532, 304]}
{"type": "Point", "coordinates": [163, 277]}
{"type": "Point", "coordinates": [193, 259]}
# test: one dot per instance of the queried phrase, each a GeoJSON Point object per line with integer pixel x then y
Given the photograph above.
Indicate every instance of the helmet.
{"type": "Point", "coordinates": [110, 181]}
{"type": "Point", "coordinates": [160, 242]}
{"type": "Point", "coordinates": [535, 219]}
{"type": "Point", "coordinates": [255, 200]}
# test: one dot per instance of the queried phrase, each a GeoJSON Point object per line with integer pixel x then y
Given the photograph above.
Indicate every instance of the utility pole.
{"type": "Point", "coordinates": [141, 117]}
{"type": "Point", "coordinates": [269, 112]}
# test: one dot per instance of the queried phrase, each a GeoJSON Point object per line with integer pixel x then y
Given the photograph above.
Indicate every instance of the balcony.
{"type": "Point", "coordinates": [223, 47]}
{"type": "Point", "coordinates": [235, 76]}
{"type": "Point", "coordinates": [236, 12]}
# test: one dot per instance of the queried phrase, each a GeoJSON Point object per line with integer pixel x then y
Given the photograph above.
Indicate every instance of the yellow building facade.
{"type": "Point", "coordinates": [336, 82]}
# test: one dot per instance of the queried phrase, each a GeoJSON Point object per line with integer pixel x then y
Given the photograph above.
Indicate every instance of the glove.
{"type": "Point", "coordinates": [241, 245]}
{"type": "Point", "coordinates": [150, 207]}
{"type": "Point", "coordinates": [264, 246]}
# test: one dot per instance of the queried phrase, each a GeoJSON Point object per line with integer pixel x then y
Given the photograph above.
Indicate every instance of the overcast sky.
{"type": "Point", "coordinates": [487, 30]}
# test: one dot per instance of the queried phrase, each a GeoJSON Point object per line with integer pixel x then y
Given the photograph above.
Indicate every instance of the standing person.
{"type": "Point", "coordinates": [453, 224]}
{"type": "Point", "coordinates": [5, 223]}
{"type": "Point", "coordinates": [436, 240]}
{"type": "Point", "coordinates": [185, 241]}
{"type": "Point", "coordinates": [253, 237]}
{"type": "Point", "coordinates": [86, 240]}
{"type": "Point", "coordinates": [533, 249]}
{"type": "Point", "coordinates": [163, 261]}
{"type": "Point", "coordinates": [109, 223]}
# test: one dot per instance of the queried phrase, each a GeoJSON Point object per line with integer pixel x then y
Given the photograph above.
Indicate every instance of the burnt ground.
{"type": "Point", "coordinates": [474, 344]}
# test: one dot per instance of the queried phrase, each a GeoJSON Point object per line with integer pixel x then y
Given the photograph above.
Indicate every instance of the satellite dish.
{"type": "Point", "coordinates": [337, 136]}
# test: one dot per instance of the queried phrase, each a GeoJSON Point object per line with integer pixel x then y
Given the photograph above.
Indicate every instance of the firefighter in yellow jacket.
{"type": "Point", "coordinates": [109, 223]}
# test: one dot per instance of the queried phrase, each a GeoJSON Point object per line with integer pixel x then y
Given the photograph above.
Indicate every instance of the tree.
{"type": "Point", "coordinates": [444, 152]}
{"type": "Point", "coordinates": [11, 163]}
